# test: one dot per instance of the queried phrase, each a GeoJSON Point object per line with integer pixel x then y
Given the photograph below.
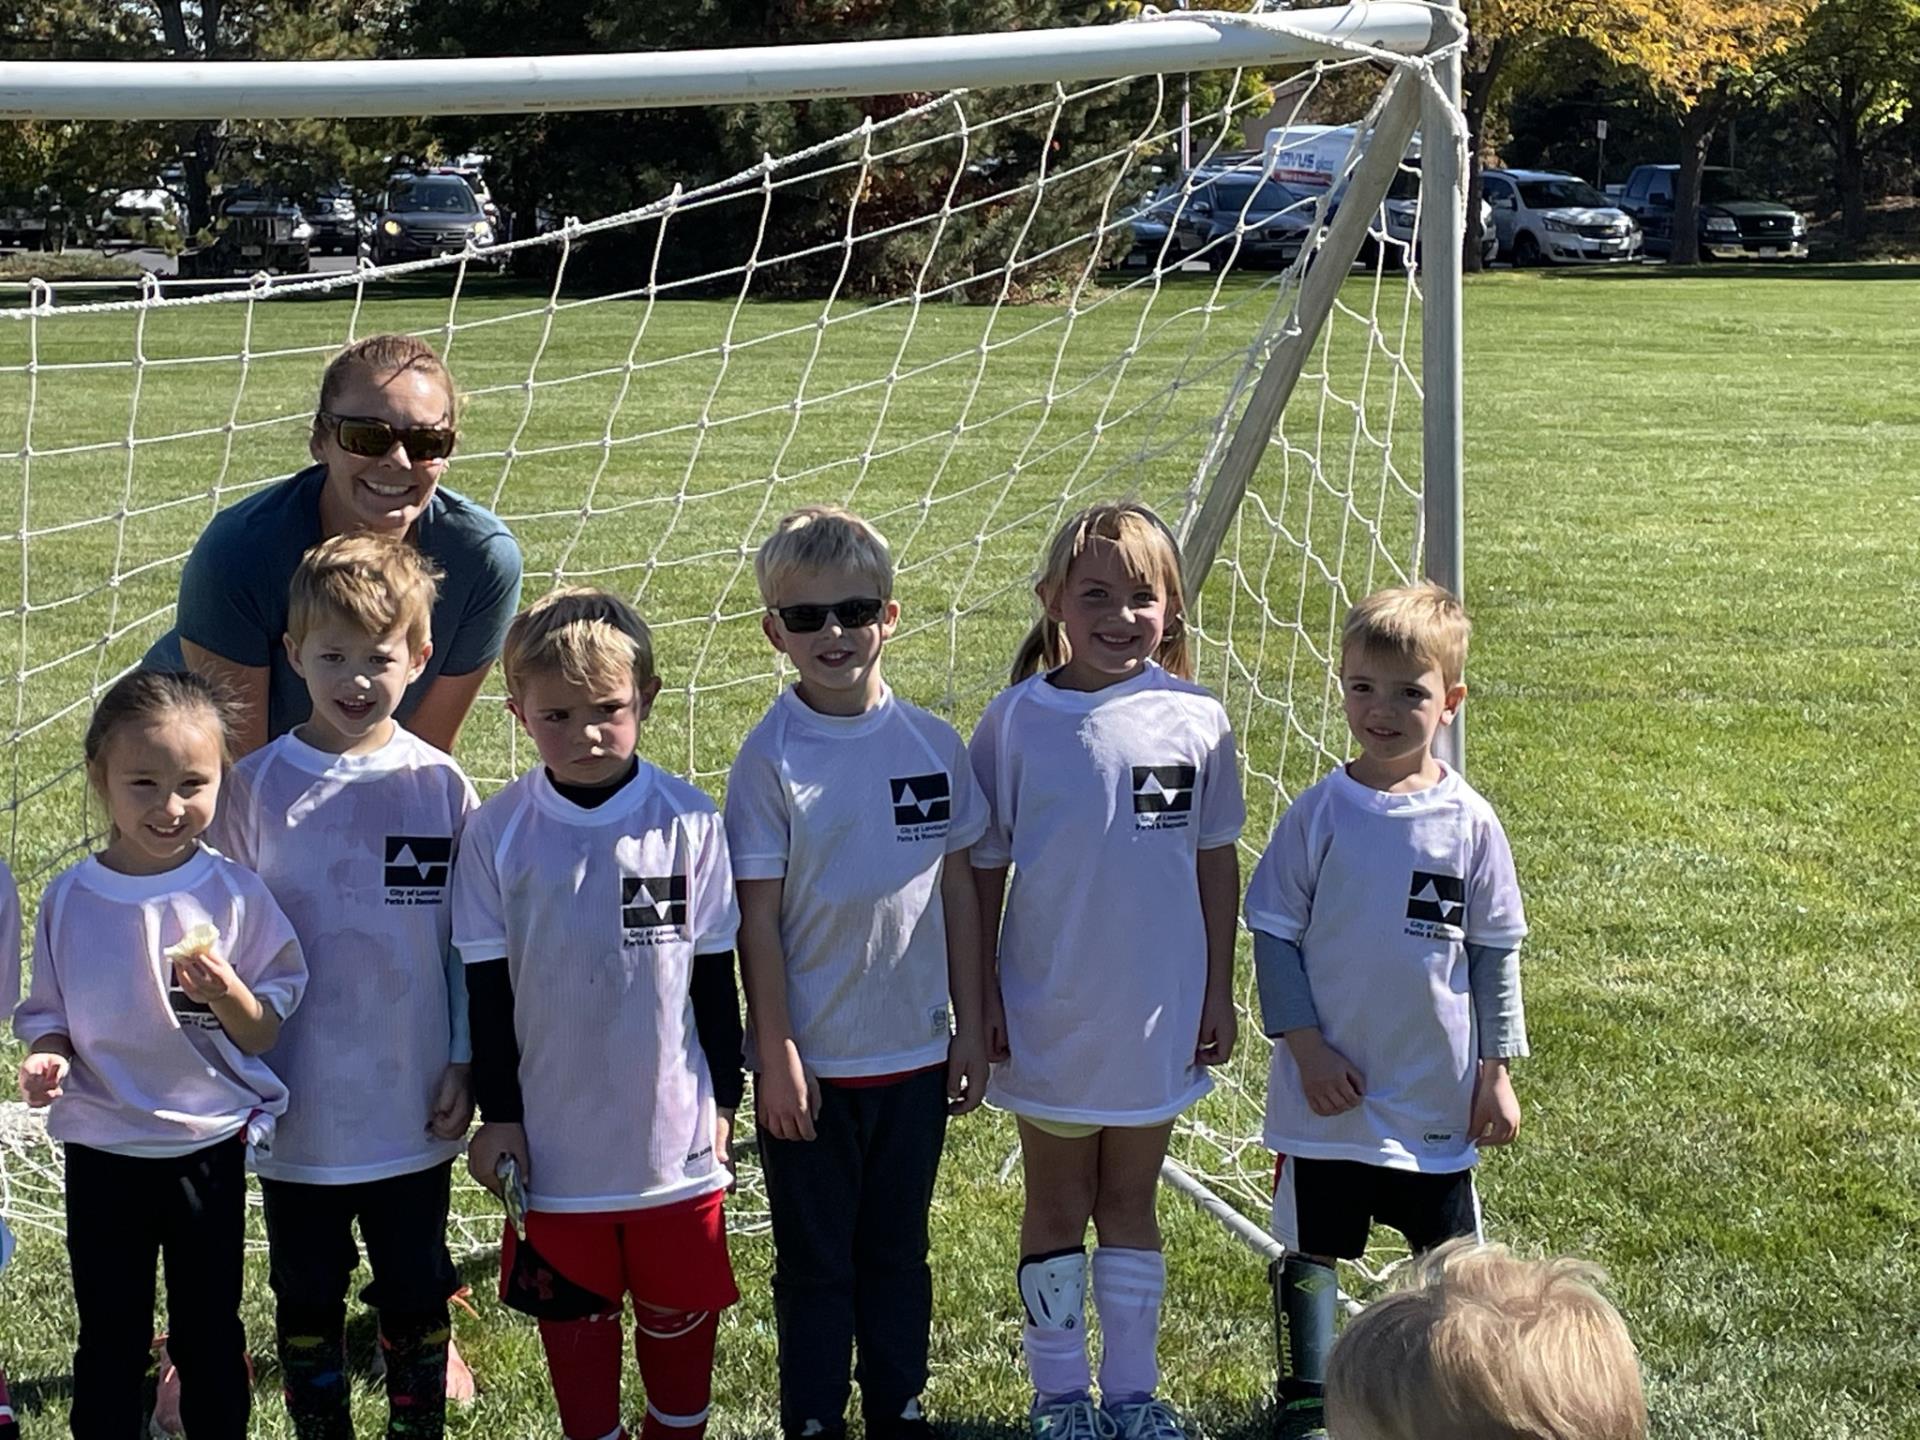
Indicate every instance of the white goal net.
{"type": "Point", "coordinates": [987, 322]}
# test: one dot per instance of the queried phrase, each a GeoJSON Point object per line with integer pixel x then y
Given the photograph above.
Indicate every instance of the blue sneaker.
{"type": "Point", "coordinates": [1149, 1419]}
{"type": "Point", "coordinates": [1071, 1420]}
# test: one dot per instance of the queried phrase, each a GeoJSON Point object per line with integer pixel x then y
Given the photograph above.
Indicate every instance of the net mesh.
{"type": "Point", "coordinates": [644, 435]}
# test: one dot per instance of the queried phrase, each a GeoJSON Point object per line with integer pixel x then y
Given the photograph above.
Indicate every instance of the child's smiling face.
{"type": "Point", "coordinates": [1395, 705]}
{"type": "Point", "coordinates": [1114, 619]}
{"type": "Point", "coordinates": [839, 663]}
{"type": "Point", "coordinates": [355, 680]}
{"type": "Point", "coordinates": [159, 777]}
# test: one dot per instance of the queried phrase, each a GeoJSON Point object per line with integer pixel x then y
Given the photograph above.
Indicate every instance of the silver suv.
{"type": "Point", "coordinates": [1547, 216]}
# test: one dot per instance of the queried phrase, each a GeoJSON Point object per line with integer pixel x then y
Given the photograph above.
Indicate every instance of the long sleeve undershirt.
{"type": "Point", "coordinates": [496, 1047]}
{"type": "Point", "coordinates": [1493, 978]}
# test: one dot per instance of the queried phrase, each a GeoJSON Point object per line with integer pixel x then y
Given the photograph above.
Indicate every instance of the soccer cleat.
{"type": "Point", "coordinates": [910, 1424]}
{"type": "Point", "coordinates": [9, 1427]}
{"type": "Point", "coordinates": [1149, 1419]}
{"type": "Point", "coordinates": [1072, 1420]}
{"type": "Point", "coordinates": [1304, 1419]}
{"type": "Point", "coordinates": [165, 1422]}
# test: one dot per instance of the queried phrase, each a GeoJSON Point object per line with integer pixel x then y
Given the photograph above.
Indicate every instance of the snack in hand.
{"type": "Point", "coordinates": [200, 940]}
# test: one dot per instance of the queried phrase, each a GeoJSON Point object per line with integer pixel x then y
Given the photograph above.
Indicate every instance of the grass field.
{"type": "Point", "coordinates": [1689, 514]}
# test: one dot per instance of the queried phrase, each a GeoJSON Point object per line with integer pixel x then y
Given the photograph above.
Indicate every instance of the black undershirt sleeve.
{"type": "Point", "coordinates": [716, 1019]}
{"type": "Point", "coordinates": [496, 1048]}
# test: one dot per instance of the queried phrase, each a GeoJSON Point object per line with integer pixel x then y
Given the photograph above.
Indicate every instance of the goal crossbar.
{"type": "Point", "coordinates": [333, 89]}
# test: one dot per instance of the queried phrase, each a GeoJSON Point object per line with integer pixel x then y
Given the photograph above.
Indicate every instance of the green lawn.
{"type": "Point", "coordinates": [1688, 514]}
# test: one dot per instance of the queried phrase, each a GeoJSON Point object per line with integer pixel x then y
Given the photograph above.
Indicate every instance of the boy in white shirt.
{"type": "Point", "coordinates": [593, 906]}
{"type": "Point", "coordinates": [1387, 921]}
{"type": "Point", "coordinates": [849, 817]}
{"type": "Point", "coordinates": [353, 821]}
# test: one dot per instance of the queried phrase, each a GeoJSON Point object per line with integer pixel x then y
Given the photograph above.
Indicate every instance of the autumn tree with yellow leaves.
{"type": "Point", "coordinates": [1695, 55]}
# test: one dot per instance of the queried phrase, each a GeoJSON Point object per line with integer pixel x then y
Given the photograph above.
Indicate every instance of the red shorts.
{"type": "Point", "coordinates": [672, 1257]}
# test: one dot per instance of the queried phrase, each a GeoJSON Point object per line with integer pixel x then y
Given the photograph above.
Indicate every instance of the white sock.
{"type": "Point", "coordinates": [1127, 1286]}
{"type": "Point", "coordinates": [1057, 1362]}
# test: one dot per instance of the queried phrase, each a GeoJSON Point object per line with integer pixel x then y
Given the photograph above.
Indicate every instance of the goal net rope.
{"type": "Point", "coordinates": [965, 373]}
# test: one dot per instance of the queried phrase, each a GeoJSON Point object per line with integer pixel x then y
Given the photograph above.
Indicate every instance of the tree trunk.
{"type": "Point", "coordinates": [1696, 134]}
{"type": "Point", "coordinates": [1849, 153]}
{"type": "Point", "coordinates": [1476, 95]}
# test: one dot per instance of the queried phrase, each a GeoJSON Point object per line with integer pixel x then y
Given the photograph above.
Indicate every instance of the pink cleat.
{"type": "Point", "coordinates": [166, 1398]}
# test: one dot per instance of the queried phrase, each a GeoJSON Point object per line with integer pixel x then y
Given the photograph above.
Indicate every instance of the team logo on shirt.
{"type": "Point", "coordinates": [1437, 905]}
{"type": "Point", "coordinates": [652, 908]}
{"type": "Point", "coordinates": [416, 868]}
{"type": "Point", "coordinates": [191, 1013]}
{"type": "Point", "coordinates": [922, 806]}
{"type": "Point", "coordinates": [1163, 796]}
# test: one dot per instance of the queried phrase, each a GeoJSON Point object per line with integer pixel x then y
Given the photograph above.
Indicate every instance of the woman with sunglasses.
{"type": "Point", "coordinates": [382, 435]}
{"type": "Point", "coordinates": [383, 432]}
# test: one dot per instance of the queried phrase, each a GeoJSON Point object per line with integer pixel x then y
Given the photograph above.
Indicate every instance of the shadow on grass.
{"type": "Point", "coordinates": [48, 1394]}
{"type": "Point", "coordinates": [1731, 270]}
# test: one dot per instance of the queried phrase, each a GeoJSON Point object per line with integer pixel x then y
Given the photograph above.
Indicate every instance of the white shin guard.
{"type": "Point", "coordinates": [1054, 1290]}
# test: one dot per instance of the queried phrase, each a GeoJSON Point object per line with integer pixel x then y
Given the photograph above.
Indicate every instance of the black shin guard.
{"type": "Point", "coordinates": [415, 1346]}
{"type": "Point", "coordinates": [1309, 1296]}
{"type": "Point", "coordinates": [313, 1369]}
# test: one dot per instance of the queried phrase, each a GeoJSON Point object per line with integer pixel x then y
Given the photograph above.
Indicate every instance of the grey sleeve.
{"type": "Point", "coordinates": [1493, 975]}
{"type": "Point", "coordinates": [1286, 999]}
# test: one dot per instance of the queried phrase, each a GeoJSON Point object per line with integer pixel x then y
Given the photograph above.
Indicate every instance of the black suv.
{"type": "Point", "coordinates": [253, 230]}
{"type": "Point", "coordinates": [1737, 221]}
{"type": "Point", "coordinates": [426, 215]}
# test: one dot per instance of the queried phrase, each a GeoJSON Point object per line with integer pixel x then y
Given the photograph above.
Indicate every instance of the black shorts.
{"type": "Point", "coordinates": [1327, 1207]}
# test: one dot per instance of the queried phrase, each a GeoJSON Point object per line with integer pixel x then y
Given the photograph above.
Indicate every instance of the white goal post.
{"type": "Point", "coordinates": [643, 431]}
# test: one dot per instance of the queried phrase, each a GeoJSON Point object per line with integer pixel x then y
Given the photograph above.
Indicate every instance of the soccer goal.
{"type": "Point", "coordinates": [1027, 271]}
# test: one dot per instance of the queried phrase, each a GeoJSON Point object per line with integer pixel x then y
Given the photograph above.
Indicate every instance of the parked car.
{"type": "Point", "coordinates": [1279, 218]}
{"type": "Point", "coordinates": [145, 216]}
{"type": "Point", "coordinates": [1402, 210]}
{"type": "Point", "coordinates": [1157, 214]}
{"type": "Point", "coordinates": [253, 229]}
{"type": "Point", "coordinates": [1314, 158]}
{"type": "Point", "coordinates": [335, 222]}
{"type": "Point", "coordinates": [33, 220]}
{"type": "Point", "coordinates": [477, 183]}
{"type": "Point", "coordinates": [1547, 216]}
{"type": "Point", "coordinates": [1737, 221]}
{"type": "Point", "coordinates": [426, 215]}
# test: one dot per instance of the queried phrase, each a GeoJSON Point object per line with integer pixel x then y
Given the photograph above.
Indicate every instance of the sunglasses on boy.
{"type": "Point", "coordinates": [854, 614]}
{"type": "Point", "coordinates": [359, 435]}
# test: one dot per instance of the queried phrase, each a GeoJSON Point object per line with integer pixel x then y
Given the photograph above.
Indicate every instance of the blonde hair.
{"type": "Point", "coordinates": [1148, 550]}
{"type": "Point", "coordinates": [822, 537]}
{"type": "Point", "coordinates": [586, 636]}
{"type": "Point", "coordinates": [376, 582]}
{"type": "Point", "coordinates": [1482, 1345]}
{"type": "Point", "coordinates": [382, 357]}
{"type": "Point", "coordinates": [1423, 622]}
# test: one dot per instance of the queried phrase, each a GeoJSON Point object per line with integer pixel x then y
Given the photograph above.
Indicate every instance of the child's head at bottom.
{"type": "Point", "coordinates": [579, 672]}
{"type": "Point", "coordinates": [1482, 1345]}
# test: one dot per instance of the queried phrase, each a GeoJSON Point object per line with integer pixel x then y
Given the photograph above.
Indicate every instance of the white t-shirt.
{"type": "Point", "coordinates": [599, 914]}
{"type": "Point", "coordinates": [9, 941]}
{"type": "Point", "coordinates": [1102, 802]}
{"type": "Point", "coordinates": [857, 814]}
{"type": "Point", "coordinates": [154, 1073]}
{"type": "Point", "coordinates": [1383, 894]}
{"type": "Point", "coordinates": [358, 850]}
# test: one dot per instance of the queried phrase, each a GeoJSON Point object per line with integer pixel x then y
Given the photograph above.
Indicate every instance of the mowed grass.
{"type": "Point", "coordinates": [1688, 516]}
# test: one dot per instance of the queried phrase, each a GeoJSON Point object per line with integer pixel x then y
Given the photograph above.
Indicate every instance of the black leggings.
{"type": "Point", "coordinates": [123, 1213]}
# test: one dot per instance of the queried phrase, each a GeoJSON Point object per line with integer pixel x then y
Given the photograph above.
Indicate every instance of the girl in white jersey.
{"type": "Point", "coordinates": [161, 973]}
{"type": "Point", "coordinates": [1115, 799]}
